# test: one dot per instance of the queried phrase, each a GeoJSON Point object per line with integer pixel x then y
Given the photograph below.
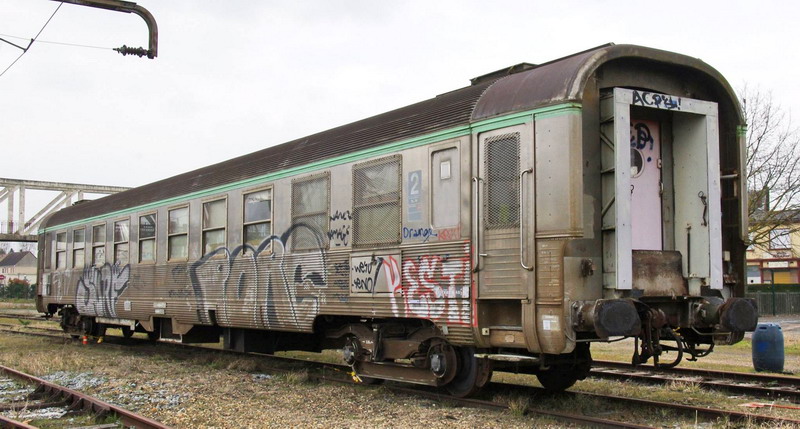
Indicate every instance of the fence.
{"type": "Point", "coordinates": [777, 303]}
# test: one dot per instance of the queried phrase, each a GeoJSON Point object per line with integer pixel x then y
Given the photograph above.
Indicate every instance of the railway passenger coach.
{"type": "Point", "coordinates": [507, 224]}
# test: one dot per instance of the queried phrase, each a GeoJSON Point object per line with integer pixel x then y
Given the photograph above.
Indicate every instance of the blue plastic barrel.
{"type": "Point", "coordinates": [768, 347]}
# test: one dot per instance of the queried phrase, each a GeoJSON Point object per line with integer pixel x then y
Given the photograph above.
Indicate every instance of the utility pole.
{"type": "Point", "coordinates": [127, 7]}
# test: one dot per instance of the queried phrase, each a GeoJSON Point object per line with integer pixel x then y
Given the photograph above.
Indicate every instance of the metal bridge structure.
{"type": "Point", "coordinates": [18, 227]}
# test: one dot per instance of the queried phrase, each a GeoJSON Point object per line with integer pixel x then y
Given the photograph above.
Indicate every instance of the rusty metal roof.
{"type": "Point", "coordinates": [519, 88]}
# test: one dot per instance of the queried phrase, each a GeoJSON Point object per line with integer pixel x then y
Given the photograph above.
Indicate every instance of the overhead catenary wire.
{"type": "Point", "coordinates": [24, 51]}
{"type": "Point", "coordinates": [52, 42]}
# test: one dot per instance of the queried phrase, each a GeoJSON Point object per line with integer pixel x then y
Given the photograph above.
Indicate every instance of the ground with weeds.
{"type": "Point", "coordinates": [207, 389]}
{"type": "Point", "coordinates": [213, 390]}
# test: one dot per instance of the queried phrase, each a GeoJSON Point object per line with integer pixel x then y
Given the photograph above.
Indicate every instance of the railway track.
{"type": "Point", "coordinates": [23, 316]}
{"type": "Point", "coordinates": [342, 375]}
{"type": "Point", "coordinates": [759, 385]}
{"type": "Point", "coordinates": [57, 402]}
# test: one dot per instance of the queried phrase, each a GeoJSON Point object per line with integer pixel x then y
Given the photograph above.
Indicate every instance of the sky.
{"type": "Point", "coordinates": [233, 77]}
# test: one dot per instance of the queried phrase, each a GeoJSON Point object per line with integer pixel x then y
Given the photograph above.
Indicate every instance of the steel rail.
{"type": "Point", "coordinates": [701, 372]}
{"type": "Point", "coordinates": [728, 382]}
{"type": "Point", "coordinates": [7, 422]}
{"type": "Point", "coordinates": [85, 402]}
{"type": "Point", "coordinates": [692, 409]}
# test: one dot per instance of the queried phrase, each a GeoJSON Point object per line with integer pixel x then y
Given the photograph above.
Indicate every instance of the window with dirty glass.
{"type": "Point", "coordinates": [61, 250]}
{"type": "Point", "coordinates": [310, 202]}
{"type": "Point", "coordinates": [445, 198]}
{"type": "Point", "coordinates": [502, 182]}
{"type": "Point", "coordinates": [98, 245]}
{"type": "Point", "coordinates": [214, 219]}
{"type": "Point", "coordinates": [257, 225]}
{"type": "Point", "coordinates": [121, 245]}
{"type": "Point", "coordinates": [178, 234]}
{"type": "Point", "coordinates": [377, 196]}
{"type": "Point", "coordinates": [780, 238]}
{"type": "Point", "coordinates": [78, 247]}
{"type": "Point", "coordinates": [147, 238]}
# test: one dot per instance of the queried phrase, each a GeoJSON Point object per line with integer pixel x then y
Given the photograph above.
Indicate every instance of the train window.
{"type": "Point", "coordinates": [121, 246]}
{"type": "Point", "coordinates": [502, 183]}
{"type": "Point", "coordinates": [446, 200]}
{"type": "Point", "coordinates": [376, 201]}
{"type": "Point", "coordinates": [147, 238]}
{"type": "Point", "coordinates": [214, 216]}
{"type": "Point", "coordinates": [98, 244]}
{"type": "Point", "coordinates": [257, 223]}
{"type": "Point", "coordinates": [178, 232]}
{"type": "Point", "coordinates": [310, 202]}
{"type": "Point", "coordinates": [78, 247]}
{"type": "Point", "coordinates": [61, 250]}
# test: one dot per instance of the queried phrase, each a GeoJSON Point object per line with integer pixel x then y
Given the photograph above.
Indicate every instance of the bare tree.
{"type": "Point", "coordinates": [773, 166]}
{"type": "Point", "coordinates": [28, 247]}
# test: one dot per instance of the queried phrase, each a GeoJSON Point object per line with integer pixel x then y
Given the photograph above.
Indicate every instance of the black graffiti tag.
{"type": "Point", "coordinates": [641, 136]}
{"type": "Point", "coordinates": [366, 277]}
{"type": "Point", "coordinates": [660, 101]}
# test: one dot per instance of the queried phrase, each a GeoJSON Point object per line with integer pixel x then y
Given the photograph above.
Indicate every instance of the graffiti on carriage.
{"type": "Point", "coordinates": [435, 287]}
{"type": "Point", "coordinates": [276, 290]}
{"type": "Point", "coordinates": [99, 289]}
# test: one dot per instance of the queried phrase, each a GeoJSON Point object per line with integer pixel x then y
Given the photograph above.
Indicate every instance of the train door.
{"type": "Point", "coordinates": [505, 253]}
{"type": "Point", "coordinates": [646, 185]}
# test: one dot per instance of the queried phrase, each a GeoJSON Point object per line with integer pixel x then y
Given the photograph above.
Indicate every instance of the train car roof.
{"type": "Point", "coordinates": [518, 88]}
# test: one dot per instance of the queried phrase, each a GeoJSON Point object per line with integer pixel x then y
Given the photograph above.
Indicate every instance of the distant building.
{"type": "Point", "coordinates": [776, 260]}
{"type": "Point", "coordinates": [18, 265]}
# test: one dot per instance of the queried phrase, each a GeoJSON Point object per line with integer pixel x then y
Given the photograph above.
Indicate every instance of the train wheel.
{"type": "Point", "coordinates": [98, 330]}
{"type": "Point", "coordinates": [557, 378]}
{"type": "Point", "coordinates": [471, 373]}
{"type": "Point", "coordinates": [562, 376]}
{"type": "Point", "coordinates": [127, 332]}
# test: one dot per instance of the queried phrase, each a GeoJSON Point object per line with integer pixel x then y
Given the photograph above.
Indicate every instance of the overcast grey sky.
{"type": "Point", "coordinates": [233, 77]}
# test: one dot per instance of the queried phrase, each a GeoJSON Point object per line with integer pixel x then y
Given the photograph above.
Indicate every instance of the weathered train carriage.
{"type": "Point", "coordinates": [509, 222]}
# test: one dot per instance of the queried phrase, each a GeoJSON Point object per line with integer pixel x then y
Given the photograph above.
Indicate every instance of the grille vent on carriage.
{"type": "Point", "coordinates": [310, 208]}
{"type": "Point", "coordinates": [501, 162]}
{"type": "Point", "coordinates": [377, 193]}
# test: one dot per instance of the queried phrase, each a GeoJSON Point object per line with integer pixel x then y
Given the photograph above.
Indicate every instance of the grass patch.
{"type": "Point", "coordinates": [519, 406]}
{"type": "Point", "coordinates": [295, 377]}
{"type": "Point", "coordinates": [6, 303]}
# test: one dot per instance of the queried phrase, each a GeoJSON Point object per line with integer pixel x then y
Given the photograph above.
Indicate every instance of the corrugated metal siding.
{"type": "Point", "coordinates": [502, 275]}
{"type": "Point", "coordinates": [436, 285]}
{"type": "Point", "coordinates": [278, 291]}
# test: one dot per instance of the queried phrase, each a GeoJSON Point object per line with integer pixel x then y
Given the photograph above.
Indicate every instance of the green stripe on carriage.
{"type": "Point", "coordinates": [477, 127]}
{"type": "Point", "coordinates": [741, 131]}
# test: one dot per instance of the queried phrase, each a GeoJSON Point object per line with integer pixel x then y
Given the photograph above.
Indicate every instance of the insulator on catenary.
{"type": "Point", "coordinates": [128, 50]}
